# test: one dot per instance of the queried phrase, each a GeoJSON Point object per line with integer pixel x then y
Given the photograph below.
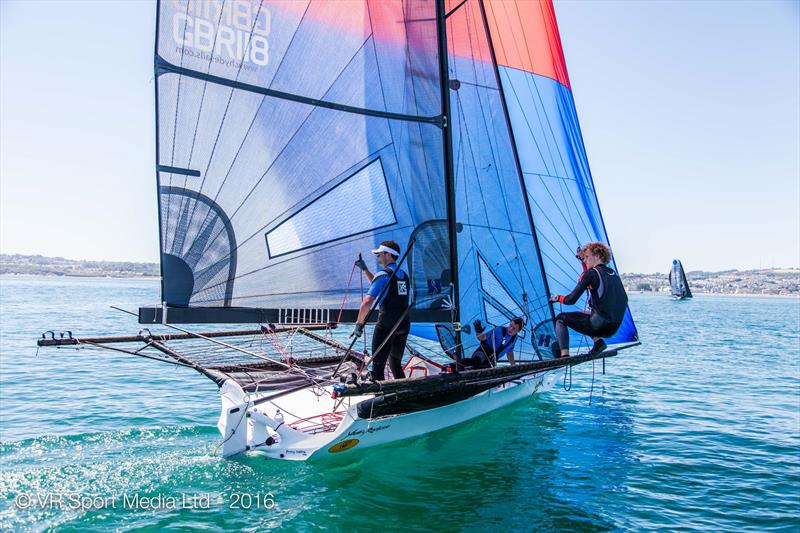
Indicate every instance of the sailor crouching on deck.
{"type": "Point", "coordinates": [607, 300]}
{"type": "Point", "coordinates": [495, 344]}
{"type": "Point", "coordinates": [393, 302]}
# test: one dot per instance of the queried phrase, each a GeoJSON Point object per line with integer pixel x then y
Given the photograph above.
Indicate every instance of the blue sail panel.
{"type": "Point", "coordinates": [292, 136]}
{"type": "Point", "coordinates": [500, 276]}
{"type": "Point", "coordinates": [552, 159]}
{"type": "Point", "coordinates": [557, 178]}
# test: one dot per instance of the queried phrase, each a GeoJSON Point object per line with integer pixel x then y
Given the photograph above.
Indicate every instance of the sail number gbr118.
{"type": "Point", "coordinates": [235, 30]}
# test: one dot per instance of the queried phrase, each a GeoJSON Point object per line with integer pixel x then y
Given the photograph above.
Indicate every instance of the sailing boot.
{"type": "Point", "coordinates": [599, 346]}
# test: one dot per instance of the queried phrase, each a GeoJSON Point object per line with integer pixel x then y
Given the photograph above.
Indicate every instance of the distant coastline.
{"type": "Point", "coordinates": [763, 282]}
{"type": "Point", "coordinates": [37, 265]}
{"type": "Point", "coordinates": [782, 282]}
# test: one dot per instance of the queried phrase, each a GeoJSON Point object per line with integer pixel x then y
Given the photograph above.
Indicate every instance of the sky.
{"type": "Point", "coordinates": [690, 112]}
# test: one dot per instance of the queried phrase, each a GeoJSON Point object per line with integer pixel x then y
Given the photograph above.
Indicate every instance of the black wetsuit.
{"type": "Point", "coordinates": [392, 308]}
{"type": "Point", "coordinates": [607, 300]}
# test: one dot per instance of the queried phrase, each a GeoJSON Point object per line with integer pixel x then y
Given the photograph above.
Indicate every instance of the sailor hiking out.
{"type": "Point", "coordinates": [496, 344]}
{"type": "Point", "coordinates": [393, 325]}
{"type": "Point", "coordinates": [607, 301]}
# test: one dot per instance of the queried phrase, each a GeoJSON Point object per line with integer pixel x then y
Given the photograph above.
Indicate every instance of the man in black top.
{"type": "Point", "coordinates": [393, 311]}
{"type": "Point", "coordinates": [607, 300]}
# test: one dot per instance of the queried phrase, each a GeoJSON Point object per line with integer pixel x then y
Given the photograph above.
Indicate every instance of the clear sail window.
{"type": "Point", "coordinates": [359, 204]}
{"type": "Point", "coordinates": [492, 286]}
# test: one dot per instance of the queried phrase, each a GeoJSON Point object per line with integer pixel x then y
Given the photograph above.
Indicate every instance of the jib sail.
{"type": "Point", "coordinates": [552, 159]}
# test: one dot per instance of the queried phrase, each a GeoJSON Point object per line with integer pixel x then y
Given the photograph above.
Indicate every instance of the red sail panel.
{"type": "Point", "coordinates": [525, 37]}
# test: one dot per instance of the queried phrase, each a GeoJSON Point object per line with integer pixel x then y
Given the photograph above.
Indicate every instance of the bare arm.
{"type": "Point", "coordinates": [363, 311]}
{"type": "Point", "coordinates": [370, 276]}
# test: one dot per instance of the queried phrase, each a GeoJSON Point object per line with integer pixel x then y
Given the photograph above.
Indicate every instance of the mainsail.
{"type": "Point", "coordinates": [293, 135]}
{"type": "Point", "coordinates": [679, 285]}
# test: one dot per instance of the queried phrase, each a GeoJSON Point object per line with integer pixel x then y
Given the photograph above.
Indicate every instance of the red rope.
{"type": "Point", "coordinates": [278, 345]}
{"type": "Point", "coordinates": [344, 300]}
{"type": "Point", "coordinates": [362, 299]}
{"type": "Point", "coordinates": [346, 290]}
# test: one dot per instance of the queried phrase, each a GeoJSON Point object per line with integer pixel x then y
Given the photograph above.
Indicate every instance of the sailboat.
{"type": "Point", "coordinates": [294, 135]}
{"type": "Point", "coordinates": [679, 285]}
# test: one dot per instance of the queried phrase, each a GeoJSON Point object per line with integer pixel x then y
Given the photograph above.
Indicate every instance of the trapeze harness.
{"type": "Point", "coordinates": [607, 300]}
{"type": "Point", "coordinates": [395, 302]}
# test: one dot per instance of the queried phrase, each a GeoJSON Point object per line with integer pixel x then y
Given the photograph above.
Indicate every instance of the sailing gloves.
{"type": "Point", "coordinates": [360, 263]}
{"type": "Point", "coordinates": [357, 331]}
{"type": "Point", "coordinates": [554, 299]}
{"type": "Point", "coordinates": [478, 327]}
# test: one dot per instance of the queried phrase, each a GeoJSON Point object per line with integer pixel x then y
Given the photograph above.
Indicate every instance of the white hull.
{"type": "Point", "coordinates": [279, 428]}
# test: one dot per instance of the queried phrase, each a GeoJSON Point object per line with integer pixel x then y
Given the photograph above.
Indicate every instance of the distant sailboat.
{"type": "Point", "coordinates": [293, 135]}
{"type": "Point", "coordinates": [678, 283]}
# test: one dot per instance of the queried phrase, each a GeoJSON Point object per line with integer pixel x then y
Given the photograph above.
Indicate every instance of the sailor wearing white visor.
{"type": "Point", "coordinates": [393, 303]}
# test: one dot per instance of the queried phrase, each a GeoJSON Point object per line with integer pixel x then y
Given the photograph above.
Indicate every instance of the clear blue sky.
{"type": "Point", "coordinates": [690, 112]}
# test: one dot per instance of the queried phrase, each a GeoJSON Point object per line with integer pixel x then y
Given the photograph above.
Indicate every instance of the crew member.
{"type": "Point", "coordinates": [495, 344]}
{"type": "Point", "coordinates": [607, 301]}
{"type": "Point", "coordinates": [392, 295]}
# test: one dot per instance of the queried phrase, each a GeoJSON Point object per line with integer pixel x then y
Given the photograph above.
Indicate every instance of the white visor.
{"type": "Point", "coordinates": [386, 249]}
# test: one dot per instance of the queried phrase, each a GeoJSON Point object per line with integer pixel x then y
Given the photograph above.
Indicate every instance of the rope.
{"type": "Point", "coordinates": [299, 370]}
{"type": "Point", "coordinates": [346, 290]}
{"type": "Point", "coordinates": [361, 295]}
{"type": "Point", "coordinates": [276, 343]}
{"type": "Point", "coordinates": [367, 361]}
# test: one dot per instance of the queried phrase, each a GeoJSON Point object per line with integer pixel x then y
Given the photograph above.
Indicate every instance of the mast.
{"type": "Point", "coordinates": [516, 156]}
{"type": "Point", "coordinates": [449, 174]}
{"type": "Point", "coordinates": [158, 155]}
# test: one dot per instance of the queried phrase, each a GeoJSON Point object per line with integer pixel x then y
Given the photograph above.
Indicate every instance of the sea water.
{"type": "Point", "coordinates": [699, 428]}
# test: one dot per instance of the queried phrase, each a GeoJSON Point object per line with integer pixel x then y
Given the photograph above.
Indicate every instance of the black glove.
{"type": "Point", "coordinates": [360, 263]}
{"type": "Point", "coordinates": [478, 327]}
{"type": "Point", "coordinates": [357, 331]}
{"type": "Point", "coordinates": [578, 255]}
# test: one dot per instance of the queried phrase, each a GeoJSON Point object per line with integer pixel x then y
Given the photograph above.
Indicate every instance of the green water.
{"type": "Point", "coordinates": [697, 429]}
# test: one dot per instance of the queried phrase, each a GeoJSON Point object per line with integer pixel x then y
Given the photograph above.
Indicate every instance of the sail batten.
{"type": "Point", "coordinates": [164, 66]}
